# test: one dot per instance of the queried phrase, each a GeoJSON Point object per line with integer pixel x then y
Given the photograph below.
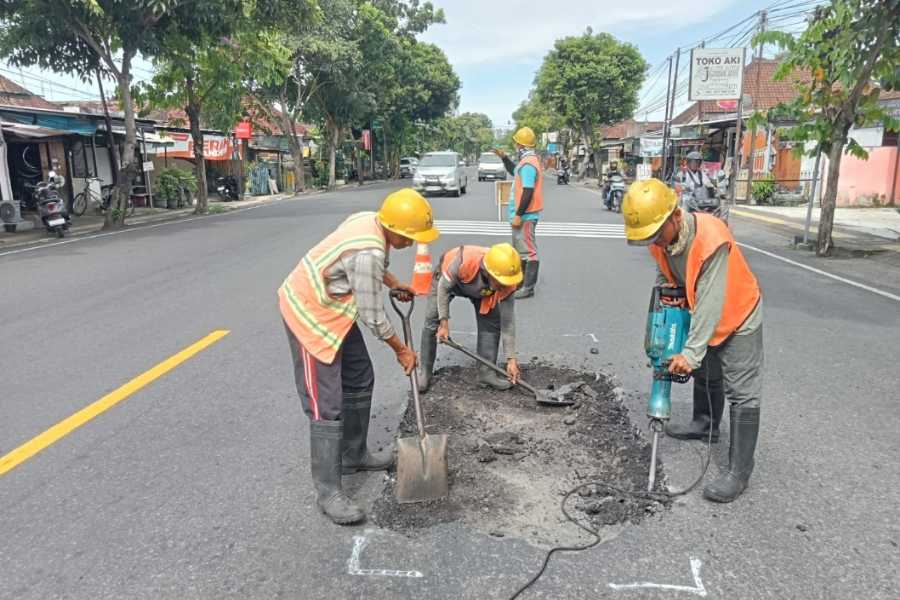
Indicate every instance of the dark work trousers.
{"type": "Point", "coordinates": [738, 361]}
{"type": "Point", "coordinates": [325, 389]}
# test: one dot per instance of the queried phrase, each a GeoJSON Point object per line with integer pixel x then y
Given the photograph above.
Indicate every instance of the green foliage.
{"type": "Point", "coordinates": [590, 80]}
{"type": "Point", "coordinates": [468, 133]}
{"type": "Point", "coordinates": [764, 189]}
{"type": "Point", "coordinates": [538, 115]}
{"type": "Point", "coordinates": [170, 183]}
{"type": "Point", "coordinates": [847, 46]}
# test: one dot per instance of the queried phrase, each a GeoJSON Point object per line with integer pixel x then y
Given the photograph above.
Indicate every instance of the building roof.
{"type": "Point", "coordinates": [629, 128]}
{"type": "Point", "coordinates": [759, 84]}
{"type": "Point", "coordinates": [13, 94]}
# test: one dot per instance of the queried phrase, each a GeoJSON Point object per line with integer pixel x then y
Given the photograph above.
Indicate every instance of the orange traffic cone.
{"type": "Point", "coordinates": [422, 270]}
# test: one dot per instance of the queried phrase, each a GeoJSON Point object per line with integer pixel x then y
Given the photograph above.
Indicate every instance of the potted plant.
{"type": "Point", "coordinates": [177, 186]}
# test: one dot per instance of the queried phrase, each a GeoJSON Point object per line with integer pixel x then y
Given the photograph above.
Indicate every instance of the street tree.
{"type": "Point", "coordinates": [469, 134]}
{"type": "Point", "coordinates": [538, 115]}
{"type": "Point", "coordinates": [848, 46]}
{"type": "Point", "coordinates": [591, 80]}
{"type": "Point", "coordinates": [79, 36]}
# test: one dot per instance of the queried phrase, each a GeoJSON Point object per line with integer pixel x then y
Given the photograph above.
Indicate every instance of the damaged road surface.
{"type": "Point", "coordinates": [512, 461]}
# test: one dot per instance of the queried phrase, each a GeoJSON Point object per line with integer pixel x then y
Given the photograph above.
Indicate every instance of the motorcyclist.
{"type": "Point", "coordinates": [607, 180]}
{"type": "Point", "coordinates": [696, 186]}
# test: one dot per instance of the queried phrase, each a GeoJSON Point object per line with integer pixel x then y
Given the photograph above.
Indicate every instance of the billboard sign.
{"type": "Point", "coordinates": [716, 73]}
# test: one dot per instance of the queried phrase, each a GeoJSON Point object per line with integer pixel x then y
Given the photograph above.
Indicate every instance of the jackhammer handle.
{"type": "Point", "coordinates": [414, 375]}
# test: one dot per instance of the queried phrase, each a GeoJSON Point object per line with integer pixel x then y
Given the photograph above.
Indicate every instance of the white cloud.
{"type": "Point", "coordinates": [480, 32]}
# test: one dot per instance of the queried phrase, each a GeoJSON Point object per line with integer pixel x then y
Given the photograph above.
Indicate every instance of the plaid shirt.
{"type": "Point", "coordinates": [361, 273]}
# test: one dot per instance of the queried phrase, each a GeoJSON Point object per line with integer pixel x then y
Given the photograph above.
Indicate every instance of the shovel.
{"type": "Point", "coordinates": [541, 396]}
{"type": "Point", "coordinates": [421, 459]}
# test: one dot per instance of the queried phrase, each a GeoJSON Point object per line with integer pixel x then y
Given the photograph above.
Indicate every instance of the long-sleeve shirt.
{"type": "Point", "coordinates": [447, 289]}
{"type": "Point", "coordinates": [709, 296]}
{"type": "Point", "coordinates": [361, 273]}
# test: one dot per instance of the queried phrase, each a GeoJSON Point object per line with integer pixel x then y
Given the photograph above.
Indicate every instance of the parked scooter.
{"type": "Point", "coordinates": [227, 187]}
{"type": "Point", "coordinates": [615, 192]}
{"type": "Point", "coordinates": [51, 207]}
{"type": "Point", "coordinates": [562, 175]}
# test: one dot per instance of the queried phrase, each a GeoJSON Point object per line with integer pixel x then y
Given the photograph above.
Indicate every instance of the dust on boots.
{"type": "Point", "coordinates": [325, 450]}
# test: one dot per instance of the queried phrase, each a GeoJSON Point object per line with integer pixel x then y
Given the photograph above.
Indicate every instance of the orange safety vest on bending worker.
{"type": "Point", "coordinates": [319, 321]}
{"type": "Point", "coordinates": [741, 289]}
{"type": "Point", "coordinates": [468, 283]}
{"type": "Point", "coordinates": [537, 199]}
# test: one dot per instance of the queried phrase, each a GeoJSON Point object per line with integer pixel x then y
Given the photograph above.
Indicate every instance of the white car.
{"type": "Point", "coordinates": [490, 166]}
{"type": "Point", "coordinates": [440, 172]}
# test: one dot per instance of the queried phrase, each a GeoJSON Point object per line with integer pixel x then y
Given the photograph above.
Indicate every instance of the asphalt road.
{"type": "Point", "coordinates": [197, 486]}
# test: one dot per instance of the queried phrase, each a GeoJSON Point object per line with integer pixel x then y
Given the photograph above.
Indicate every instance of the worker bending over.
{"type": "Point", "coordinates": [488, 278]}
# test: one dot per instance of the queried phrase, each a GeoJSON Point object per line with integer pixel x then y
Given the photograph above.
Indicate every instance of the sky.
{"type": "Point", "coordinates": [496, 47]}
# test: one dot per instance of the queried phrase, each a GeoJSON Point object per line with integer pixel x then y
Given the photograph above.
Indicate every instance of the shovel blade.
{"type": "Point", "coordinates": [548, 399]}
{"type": "Point", "coordinates": [421, 469]}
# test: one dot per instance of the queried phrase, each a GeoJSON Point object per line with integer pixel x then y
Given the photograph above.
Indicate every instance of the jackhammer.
{"type": "Point", "coordinates": [667, 330]}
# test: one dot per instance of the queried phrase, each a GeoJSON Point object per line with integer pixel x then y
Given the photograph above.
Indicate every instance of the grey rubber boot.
{"type": "Point", "coordinates": [427, 352]}
{"type": "Point", "coordinates": [325, 447]}
{"type": "Point", "coordinates": [489, 347]}
{"type": "Point", "coordinates": [698, 428]}
{"type": "Point", "coordinates": [530, 280]}
{"type": "Point", "coordinates": [355, 417]}
{"type": "Point", "coordinates": [744, 433]}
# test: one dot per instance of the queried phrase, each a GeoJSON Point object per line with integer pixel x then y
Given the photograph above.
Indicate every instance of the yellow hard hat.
{"type": "Point", "coordinates": [502, 262]}
{"type": "Point", "coordinates": [525, 137]}
{"type": "Point", "coordinates": [645, 208]}
{"type": "Point", "coordinates": [407, 213]}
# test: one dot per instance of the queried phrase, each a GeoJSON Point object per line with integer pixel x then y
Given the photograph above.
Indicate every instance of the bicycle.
{"type": "Point", "coordinates": [102, 202]}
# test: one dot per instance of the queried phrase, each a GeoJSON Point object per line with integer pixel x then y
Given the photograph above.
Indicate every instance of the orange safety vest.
{"type": "Point", "coordinates": [469, 266]}
{"type": "Point", "coordinates": [537, 199]}
{"type": "Point", "coordinates": [319, 321]}
{"type": "Point", "coordinates": [741, 289]}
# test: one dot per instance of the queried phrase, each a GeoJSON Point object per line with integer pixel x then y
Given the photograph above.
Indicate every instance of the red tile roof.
{"type": "Point", "coordinates": [13, 94]}
{"type": "Point", "coordinates": [629, 128]}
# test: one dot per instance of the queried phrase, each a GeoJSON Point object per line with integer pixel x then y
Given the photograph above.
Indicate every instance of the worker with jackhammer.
{"type": "Point", "coordinates": [488, 277]}
{"type": "Point", "coordinates": [724, 347]}
{"type": "Point", "coordinates": [340, 281]}
{"type": "Point", "coordinates": [526, 201]}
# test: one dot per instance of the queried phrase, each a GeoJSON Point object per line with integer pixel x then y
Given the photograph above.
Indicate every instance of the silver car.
{"type": "Point", "coordinates": [408, 166]}
{"type": "Point", "coordinates": [490, 167]}
{"type": "Point", "coordinates": [440, 172]}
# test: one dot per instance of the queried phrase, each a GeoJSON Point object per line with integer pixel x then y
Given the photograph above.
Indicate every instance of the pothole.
{"type": "Point", "coordinates": [512, 460]}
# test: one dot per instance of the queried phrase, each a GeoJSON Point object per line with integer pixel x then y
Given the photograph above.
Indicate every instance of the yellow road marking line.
{"type": "Point", "coordinates": [73, 422]}
{"type": "Point", "coordinates": [759, 217]}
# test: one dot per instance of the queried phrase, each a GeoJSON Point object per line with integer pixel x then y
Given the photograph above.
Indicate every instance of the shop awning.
{"type": "Point", "coordinates": [32, 131]}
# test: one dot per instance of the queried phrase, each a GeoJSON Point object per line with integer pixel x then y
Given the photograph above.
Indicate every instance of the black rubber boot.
{"type": "Point", "coordinates": [744, 433]}
{"type": "Point", "coordinates": [427, 351]}
{"type": "Point", "coordinates": [530, 280]}
{"type": "Point", "coordinates": [698, 428]}
{"type": "Point", "coordinates": [489, 347]}
{"type": "Point", "coordinates": [325, 447]}
{"type": "Point", "coordinates": [356, 456]}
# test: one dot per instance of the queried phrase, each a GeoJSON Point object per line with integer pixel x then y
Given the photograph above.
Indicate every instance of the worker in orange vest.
{"type": "Point", "coordinates": [526, 202]}
{"type": "Point", "coordinates": [488, 278]}
{"type": "Point", "coordinates": [724, 348]}
{"type": "Point", "coordinates": [340, 281]}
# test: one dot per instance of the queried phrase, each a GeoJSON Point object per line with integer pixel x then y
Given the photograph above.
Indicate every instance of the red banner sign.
{"type": "Point", "coordinates": [244, 130]}
{"type": "Point", "coordinates": [367, 139]}
{"type": "Point", "coordinates": [215, 147]}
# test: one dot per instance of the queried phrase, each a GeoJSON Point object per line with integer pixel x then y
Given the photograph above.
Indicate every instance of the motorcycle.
{"type": "Point", "coordinates": [707, 199]}
{"type": "Point", "coordinates": [615, 192]}
{"type": "Point", "coordinates": [228, 188]}
{"type": "Point", "coordinates": [562, 176]}
{"type": "Point", "coordinates": [51, 207]}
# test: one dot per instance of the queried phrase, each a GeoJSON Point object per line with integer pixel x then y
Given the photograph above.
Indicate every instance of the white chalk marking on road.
{"type": "Point", "coordinates": [463, 333]}
{"type": "Point", "coordinates": [544, 229]}
{"type": "Point", "coordinates": [590, 335]}
{"type": "Point", "coordinates": [360, 542]}
{"type": "Point", "coordinates": [850, 282]}
{"type": "Point", "coordinates": [697, 589]}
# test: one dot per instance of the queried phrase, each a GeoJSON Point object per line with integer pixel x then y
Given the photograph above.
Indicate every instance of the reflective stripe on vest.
{"type": "Point", "coordinates": [741, 289]}
{"type": "Point", "coordinates": [466, 262]}
{"type": "Point", "coordinates": [318, 320]}
{"type": "Point", "coordinates": [537, 199]}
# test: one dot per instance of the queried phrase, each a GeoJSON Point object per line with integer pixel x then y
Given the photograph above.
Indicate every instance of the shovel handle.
{"type": "Point", "coordinates": [486, 363]}
{"type": "Point", "coordinates": [407, 339]}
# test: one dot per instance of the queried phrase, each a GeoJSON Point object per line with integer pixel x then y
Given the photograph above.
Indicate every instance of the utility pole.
{"type": "Point", "coordinates": [762, 28]}
{"type": "Point", "coordinates": [666, 123]}
{"type": "Point", "coordinates": [672, 115]}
